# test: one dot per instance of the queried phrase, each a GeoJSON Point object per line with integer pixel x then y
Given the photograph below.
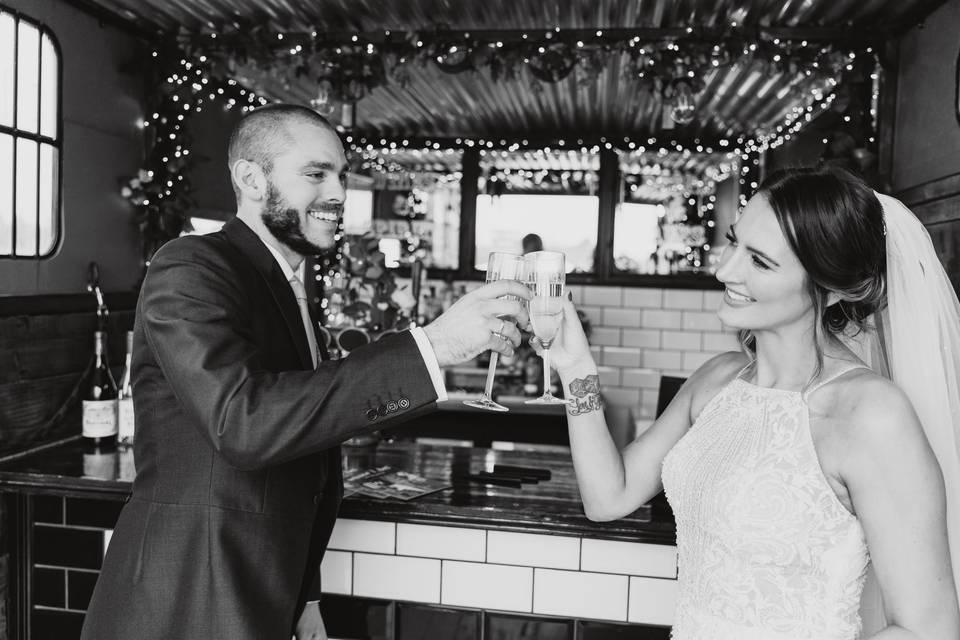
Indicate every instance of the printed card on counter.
{"type": "Point", "coordinates": [388, 483]}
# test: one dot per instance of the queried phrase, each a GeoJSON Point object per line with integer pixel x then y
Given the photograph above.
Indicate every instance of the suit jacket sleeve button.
{"type": "Point", "coordinates": [316, 498]}
{"type": "Point", "coordinates": [371, 414]}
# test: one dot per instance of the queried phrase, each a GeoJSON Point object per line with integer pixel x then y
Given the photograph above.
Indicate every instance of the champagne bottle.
{"type": "Point", "coordinates": [100, 399]}
{"type": "Point", "coordinates": [125, 420]}
{"type": "Point", "coordinates": [100, 461]}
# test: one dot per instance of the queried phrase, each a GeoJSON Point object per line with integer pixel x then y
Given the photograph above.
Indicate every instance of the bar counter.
{"type": "Point", "coordinates": [476, 549]}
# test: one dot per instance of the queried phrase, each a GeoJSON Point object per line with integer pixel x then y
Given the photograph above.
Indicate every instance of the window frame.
{"type": "Point", "coordinates": [604, 272]}
{"type": "Point", "coordinates": [38, 137]}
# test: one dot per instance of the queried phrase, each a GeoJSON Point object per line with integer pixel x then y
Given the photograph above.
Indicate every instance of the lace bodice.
{"type": "Point", "coordinates": [766, 551]}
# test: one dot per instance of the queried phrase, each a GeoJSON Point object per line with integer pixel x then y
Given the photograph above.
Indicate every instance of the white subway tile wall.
{"type": "Point", "coordinates": [487, 586]}
{"type": "Point", "coordinates": [533, 550]}
{"type": "Point", "coordinates": [652, 600]}
{"type": "Point", "coordinates": [568, 576]}
{"type": "Point", "coordinates": [609, 336]}
{"type": "Point", "coordinates": [336, 572]}
{"type": "Point", "coordinates": [644, 298]}
{"type": "Point", "coordinates": [363, 535]}
{"type": "Point", "coordinates": [603, 296]}
{"type": "Point", "coordinates": [396, 578]}
{"type": "Point", "coordinates": [580, 594]}
{"type": "Point", "coordinates": [648, 333]}
{"type": "Point", "coordinates": [649, 338]}
{"type": "Point", "coordinates": [609, 376]}
{"type": "Point", "coordinates": [638, 559]}
{"type": "Point", "coordinates": [621, 317]}
{"type": "Point", "coordinates": [621, 356]}
{"type": "Point", "coordinates": [683, 299]}
{"type": "Point", "coordinates": [453, 543]}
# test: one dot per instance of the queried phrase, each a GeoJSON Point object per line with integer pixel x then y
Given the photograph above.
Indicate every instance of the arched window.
{"type": "Point", "coordinates": [30, 138]}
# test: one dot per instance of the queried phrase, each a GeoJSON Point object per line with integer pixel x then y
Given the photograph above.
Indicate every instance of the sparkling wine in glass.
{"type": "Point", "coordinates": [545, 275]}
{"type": "Point", "coordinates": [500, 266]}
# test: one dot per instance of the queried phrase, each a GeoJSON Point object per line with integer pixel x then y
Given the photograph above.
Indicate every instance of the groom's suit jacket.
{"type": "Point", "coordinates": [237, 447]}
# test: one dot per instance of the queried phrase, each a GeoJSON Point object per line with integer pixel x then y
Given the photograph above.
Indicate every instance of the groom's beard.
{"type": "Point", "coordinates": [283, 221]}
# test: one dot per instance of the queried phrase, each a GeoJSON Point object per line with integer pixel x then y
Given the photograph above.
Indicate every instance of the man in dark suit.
{"type": "Point", "coordinates": [238, 464]}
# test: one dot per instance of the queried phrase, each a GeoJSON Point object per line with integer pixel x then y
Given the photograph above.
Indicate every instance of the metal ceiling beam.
{"type": "Point", "coordinates": [838, 35]}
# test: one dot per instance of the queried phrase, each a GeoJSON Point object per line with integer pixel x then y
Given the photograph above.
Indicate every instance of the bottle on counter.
{"type": "Point", "coordinates": [125, 419]}
{"type": "Point", "coordinates": [100, 460]}
{"type": "Point", "coordinates": [100, 399]}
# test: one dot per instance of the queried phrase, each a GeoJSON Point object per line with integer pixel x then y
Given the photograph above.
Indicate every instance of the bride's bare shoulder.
{"type": "Point", "coordinates": [871, 406]}
{"type": "Point", "coordinates": [712, 376]}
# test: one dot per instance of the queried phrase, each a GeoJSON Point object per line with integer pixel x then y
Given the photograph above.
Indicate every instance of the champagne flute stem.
{"type": "Point", "coordinates": [491, 371]}
{"type": "Point", "coordinates": [546, 371]}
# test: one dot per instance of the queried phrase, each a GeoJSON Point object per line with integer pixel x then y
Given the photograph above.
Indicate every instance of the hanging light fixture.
{"type": "Point", "coordinates": [684, 107]}
{"type": "Point", "coordinates": [322, 104]}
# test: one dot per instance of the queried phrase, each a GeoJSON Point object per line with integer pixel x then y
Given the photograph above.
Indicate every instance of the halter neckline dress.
{"type": "Point", "coordinates": [766, 550]}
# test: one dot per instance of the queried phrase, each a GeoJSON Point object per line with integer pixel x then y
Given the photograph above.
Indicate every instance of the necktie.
{"type": "Point", "coordinates": [301, 295]}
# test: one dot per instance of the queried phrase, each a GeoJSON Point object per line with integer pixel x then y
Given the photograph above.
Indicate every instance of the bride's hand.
{"type": "Point", "coordinates": [570, 350]}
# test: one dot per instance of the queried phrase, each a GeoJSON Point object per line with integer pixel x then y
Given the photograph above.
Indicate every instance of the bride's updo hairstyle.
{"type": "Point", "coordinates": [834, 224]}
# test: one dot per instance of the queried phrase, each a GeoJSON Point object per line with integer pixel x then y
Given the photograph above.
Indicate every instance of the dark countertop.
{"type": "Point", "coordinates": [551, 506]}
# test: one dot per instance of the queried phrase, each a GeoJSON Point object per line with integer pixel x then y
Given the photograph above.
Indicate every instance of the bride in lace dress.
{"type": "Point", "coordinates": [796, 467]}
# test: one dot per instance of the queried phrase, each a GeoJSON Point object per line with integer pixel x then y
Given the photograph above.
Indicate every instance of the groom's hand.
{"type": "Point", "coordinates": [479, 321]}
{"type": "Point", "coordinates": [310, 625]}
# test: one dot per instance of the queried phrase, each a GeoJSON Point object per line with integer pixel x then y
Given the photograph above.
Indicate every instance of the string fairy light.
{"type": "Point", "coordinates": [196, 73]}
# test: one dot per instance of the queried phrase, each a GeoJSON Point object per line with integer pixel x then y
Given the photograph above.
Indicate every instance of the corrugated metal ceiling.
{"type": "Point", "coordinates": [743, 98]}
{"type": "Point", "coordinates": [373, 15]}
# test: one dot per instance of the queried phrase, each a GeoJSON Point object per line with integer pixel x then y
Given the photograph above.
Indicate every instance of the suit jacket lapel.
{"type": "Point", "coordinates": [253, 248]}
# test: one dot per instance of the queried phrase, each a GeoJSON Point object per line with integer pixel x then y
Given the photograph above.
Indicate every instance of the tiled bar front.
{"type": "Point", "coordinates": [569, 576]}
{"type": "Point", "coordinates": [469, 562]}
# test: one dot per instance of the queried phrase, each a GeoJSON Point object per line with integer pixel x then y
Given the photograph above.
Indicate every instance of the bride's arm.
{"type": "Point", "coordinates": [612, 483]}
{"type": "Point", "coordinates": [897, 492]}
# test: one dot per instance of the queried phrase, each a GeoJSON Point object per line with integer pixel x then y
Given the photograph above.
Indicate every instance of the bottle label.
{"type": "Point", "coordinates": [99, 418]}
{"type": "Point", "coordinates": [125, 419]}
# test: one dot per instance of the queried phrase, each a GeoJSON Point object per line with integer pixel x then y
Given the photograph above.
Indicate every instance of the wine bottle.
{"type": "Point", "coordinates": [100, 399]}
{"type": "Point", "coordinates": [125, 419]}
{"type": "Point", "coordinates": [100, 460]}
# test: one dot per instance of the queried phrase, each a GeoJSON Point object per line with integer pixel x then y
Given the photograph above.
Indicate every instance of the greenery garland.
{"type": "Point", "coordinates": [192, 71]}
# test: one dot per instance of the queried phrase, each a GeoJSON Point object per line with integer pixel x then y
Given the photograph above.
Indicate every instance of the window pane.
{"type": "Point", "coordinates": [415, 203]}
{"type": "Point", "coordinates": [358, 212]}
{"type": "Point", "coordinates": [549, 193]}
{"type": "Point", "coordinates": [6, 194]}
{"type": "Point", "coordinates": [26, 187]}
{"type": "Point", "coordinates": [665, 221]}
{"type": "Point", "coordinates": [49, 195]}
{"type": "Point", "coordinates": [48, 89]}
{"type": "Point", "coordinates": [6, 68]}
{"type": "Point", "coordinates": [28, 77]}
{"type": "Point", "coordinates": [636, 237]}
{"type": "Point", "coordinates": [564, 223]}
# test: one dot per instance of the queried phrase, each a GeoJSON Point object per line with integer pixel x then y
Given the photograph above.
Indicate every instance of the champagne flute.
{"type": "Point", "coordinates": [545, 276]}
{"type": "Point", "coordinates": [500, 266]}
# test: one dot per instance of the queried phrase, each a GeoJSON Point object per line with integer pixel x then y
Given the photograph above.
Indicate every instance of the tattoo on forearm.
{"type": "Point", "coordinates": [585, 396]}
